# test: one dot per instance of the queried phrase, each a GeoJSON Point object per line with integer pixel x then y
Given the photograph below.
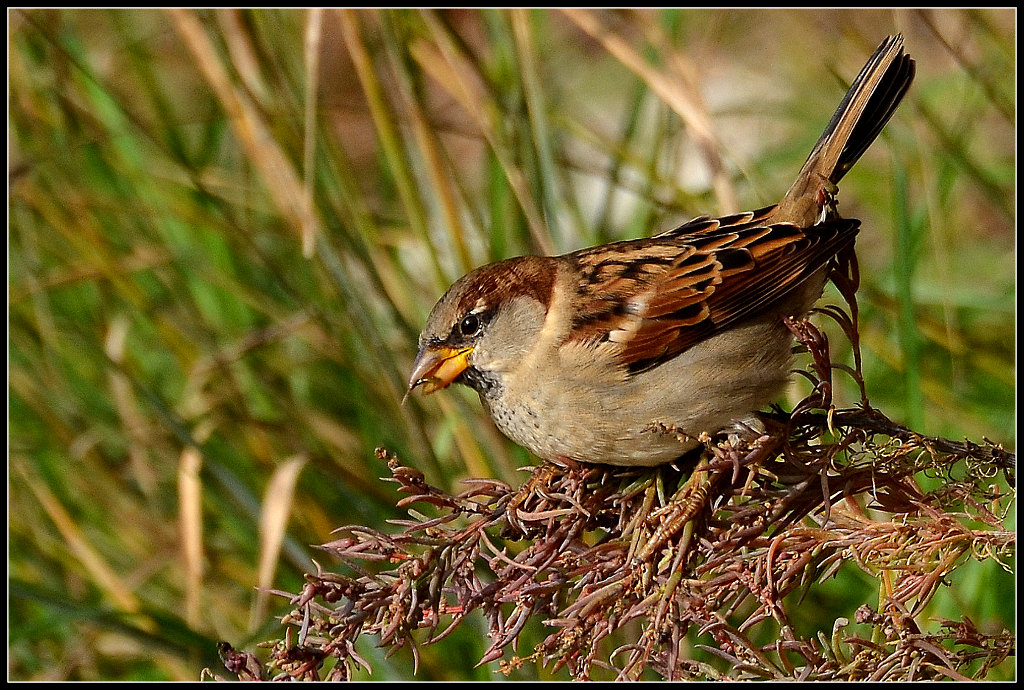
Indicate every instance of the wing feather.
{"type": "Point", "coordinates": [655, 298]}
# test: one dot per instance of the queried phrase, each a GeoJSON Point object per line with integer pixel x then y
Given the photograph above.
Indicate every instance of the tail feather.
{"type": "Point", "coordinates": [864, 111]}
{"type": "Point", "coordinates": [883, 97]}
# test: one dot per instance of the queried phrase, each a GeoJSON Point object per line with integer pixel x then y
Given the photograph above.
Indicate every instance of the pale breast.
{"type": "Point", "coordinates": [595, 416]}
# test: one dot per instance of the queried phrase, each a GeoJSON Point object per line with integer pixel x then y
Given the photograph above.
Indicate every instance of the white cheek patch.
{"type": "Point", "coordinates": [511, 339]}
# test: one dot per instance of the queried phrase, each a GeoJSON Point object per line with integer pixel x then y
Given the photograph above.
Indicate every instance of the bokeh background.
{"type": "Point", "coordinates": [227, 227]}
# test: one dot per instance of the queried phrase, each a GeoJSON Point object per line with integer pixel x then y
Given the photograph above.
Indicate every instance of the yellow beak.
{"type": "Point", "coordinates": [435, 368]}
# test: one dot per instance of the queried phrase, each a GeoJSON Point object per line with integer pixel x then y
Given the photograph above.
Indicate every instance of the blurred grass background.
{"type": "Point", "coordinates": [227, 227]}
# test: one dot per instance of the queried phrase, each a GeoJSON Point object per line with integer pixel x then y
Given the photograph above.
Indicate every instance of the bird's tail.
{"type": "Point", "coordinates": [863, 112]}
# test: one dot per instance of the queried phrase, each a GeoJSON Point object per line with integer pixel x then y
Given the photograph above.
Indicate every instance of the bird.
{"type": "Point", "coordinates": [626, 353]}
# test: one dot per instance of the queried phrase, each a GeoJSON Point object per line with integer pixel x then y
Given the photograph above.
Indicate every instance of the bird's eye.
{"type": "Point", "coordinates": [470, 325]}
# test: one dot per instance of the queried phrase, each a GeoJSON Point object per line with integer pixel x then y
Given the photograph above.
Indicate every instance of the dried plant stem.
{"type": "Point", "coordinates": [593, 551]}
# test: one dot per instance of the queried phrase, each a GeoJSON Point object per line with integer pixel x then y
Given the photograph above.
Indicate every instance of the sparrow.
{"type": "Point", "coordinates": [625, 353]}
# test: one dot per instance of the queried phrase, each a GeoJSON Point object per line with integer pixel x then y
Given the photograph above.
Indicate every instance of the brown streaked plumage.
{"type": "Point", "coordinates": [587, 355]}
{"type": "Point", "coordinates": [678, 288]}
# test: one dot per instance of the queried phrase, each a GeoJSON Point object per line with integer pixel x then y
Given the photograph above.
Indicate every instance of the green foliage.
{"type": "Point", "coordinates": [227, 227]}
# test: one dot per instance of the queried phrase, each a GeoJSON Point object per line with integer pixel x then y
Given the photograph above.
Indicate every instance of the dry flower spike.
{"type": "Point", "coordinates": [640, 572]}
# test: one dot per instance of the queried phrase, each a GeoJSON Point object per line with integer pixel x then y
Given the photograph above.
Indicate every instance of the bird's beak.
{"type": "Point", "coordinates": [436, 367]}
